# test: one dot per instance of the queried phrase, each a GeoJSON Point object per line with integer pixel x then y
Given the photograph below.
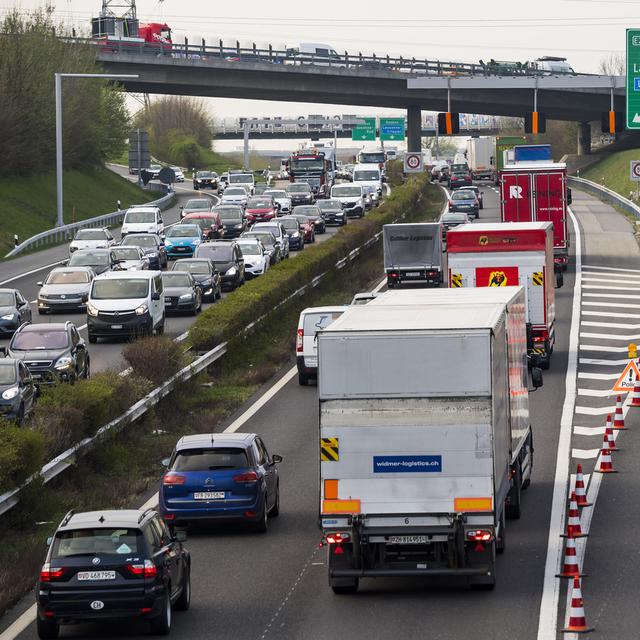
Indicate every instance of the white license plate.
{"type": "Point", "coordinates": [97, 575]}
{"type": "Point", "coordinates": [407, 539]}
{"type": "Point", "coordinates": [116, 326]}
{"type": "Point", "coordinates": [413, 274]}
{"type": "Point", "coordinates": [209, 495]}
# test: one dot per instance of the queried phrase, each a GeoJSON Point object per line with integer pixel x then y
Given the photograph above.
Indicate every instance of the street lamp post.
{"type": "Point", "coordinates": [58, 82]}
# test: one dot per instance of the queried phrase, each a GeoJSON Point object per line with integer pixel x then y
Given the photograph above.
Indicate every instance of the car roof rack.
{"type": "Point", "coordinates": [65, 520]}
{"type": "Point", "coordinates": [144, 514]}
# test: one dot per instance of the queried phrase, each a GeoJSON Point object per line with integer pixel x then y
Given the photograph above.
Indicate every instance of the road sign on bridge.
{"type": "Point", "coordinates": [633, 78]}
{"type": "Point", "coordinates": [392, 129]}
{"type": "Point", "coordinates": [365, 131]}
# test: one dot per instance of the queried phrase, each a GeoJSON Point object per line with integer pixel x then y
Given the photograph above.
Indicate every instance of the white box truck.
{"type": "Point", "coordinates": [413, 253]}
{"type": "Point", "coordinates": [425, 439]}
{"type": "Point", "coordinates": [480, 158]}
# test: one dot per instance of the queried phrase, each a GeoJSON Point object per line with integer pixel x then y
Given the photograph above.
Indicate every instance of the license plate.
{"type": "Point", "coordinates": [97, 575]}
{"type": "Point", "coordinates": [209, 495]}
{"type": "Point", "coordinates": [413, 274]}
{"type": "Point", "coordinates": [116, 326]}
{"type": "Point", "coordinates": [407, 539]}
{"type": "Point", "coordinates": [181, 248]}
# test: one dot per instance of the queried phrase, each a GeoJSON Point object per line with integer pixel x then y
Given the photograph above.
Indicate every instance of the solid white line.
{"type": "Point", "coordinates": [548, 617]}
{"type": "Point", "coordinates": [612, 269]}
{"type": "Point", "coordinates": [606, 314]}
{"type": "Point", "coordinates": [584, 454]}
{"type": "Point", "coordinates": [14, 630]}
{"type": "Point", "coordinates": [599, 376]}
{"type": "Point", "coordinates": [28, 273]}
{"type": "Point", "coordinates": [589, 431]}
{"type": "Point", "coordinates": [604, 363]}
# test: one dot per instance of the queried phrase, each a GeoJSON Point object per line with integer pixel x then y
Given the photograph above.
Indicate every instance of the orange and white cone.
{"type": "Point", "coordinates": [605, 466]}
{"type": "Point", "coordinates": [570, 567]}
{"type": "Point", "coordinates": [618, 418]}
{"type": "Point", "coordinates": [580, 491]}
{"type": "Point", "coordinates": [635, 394]}
{"type": "Point", "coordinates": [609, 441]}
{"type": "Point", "coordinates": [574, 530]}
{"type": "Point", "coordinates": [577, 619]}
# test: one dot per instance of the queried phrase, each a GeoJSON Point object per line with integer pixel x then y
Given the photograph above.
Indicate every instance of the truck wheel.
{"type": "Point", "coordinates": [545, 363]}
{"type": "Point", "coordinates": [501, 541]}
{"type": "Point", "coordinates": [513, 508]}
{"type": "Point", "coordinates": [345, 589]}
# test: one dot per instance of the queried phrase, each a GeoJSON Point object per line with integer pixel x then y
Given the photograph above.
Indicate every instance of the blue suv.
{"type": "Point", "coordinates": [221, 476]}
{"type": "Point", "coordinates": [181, 240]}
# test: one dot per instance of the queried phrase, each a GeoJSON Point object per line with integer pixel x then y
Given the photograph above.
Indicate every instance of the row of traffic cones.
{"type": "Point", "coordinates": [571, 569]}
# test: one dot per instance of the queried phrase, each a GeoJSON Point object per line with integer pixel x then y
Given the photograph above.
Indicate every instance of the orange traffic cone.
{"type": "Point", "coordinates": [577, 620]}
{"type": "Point", "coordinates": [635, 394]}
{"type": "Point", "coordinates": [609, 441]}
{"type": "Point", "coordinates": [606, 466]}
{"type": "Point", "coordinates": [618, 418]}
{"type": "Point", "coordinates": [574, 530]}
{"type": "Point", "coordinates": [581, 493]}
{"type": "Point", "coordinates": [570, 568]}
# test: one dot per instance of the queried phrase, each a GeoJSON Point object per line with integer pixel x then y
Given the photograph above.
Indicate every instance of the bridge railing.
{"type": "Point", "coordinates": [604, 194]}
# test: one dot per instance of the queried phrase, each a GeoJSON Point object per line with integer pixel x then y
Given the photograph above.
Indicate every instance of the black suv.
{"type": "Point", "coordinates": [52, 352]}
{"type": "Point", "coordinates": [227, 258]}
{"type": "Point", "coordinates": [113, 565]}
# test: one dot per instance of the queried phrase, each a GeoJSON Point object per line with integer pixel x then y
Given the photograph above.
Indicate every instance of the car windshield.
{"type": "Point", "coordinates": [346, 192]}
{"type": "Point", "coordinates": [216, 252]}
{"type": "Point", "coordinates": [126, 253]}
{"type": "Point", "coordinates": [235, 191]}
{"type": "Point", "coordinates": [372, 157]}
{"type": "Point", "coordinates": [366, 175]}
{"type": "Point", "coordinates": [120, 289]}
{"type": "Point", "coordinates": [210, 459]}
{"type": "Point", "coordinates": [89, 258]}
{"type": "Point", "coordinates": [306, 164]}
{"type": "Point", "coordinates": [230, 215]}
{"type": "Point", "coordinates": [176, 280]}
{"type": "Point", "coordinates": [299, 187]}
{"type": "Point", "coordinates": [329, 205]}
{"type": "Point", "coordinates": [7, 372]}
{"type": "Point", "coordinates": [314, 322]}
{"type": "Point", "coordinates": [205, 222]}
{"type": "Point", "coordinates": [140, 240]}
{"type": "Point", "coordinates": [311, 212]}
{"type": "Point", "coordinates": [91, 234]}
{"type": "Point", "coordinates": [192, 266]}
{"type": "Point", "coordinates": [266, 238]}
{"type": "Point", "coordinates": [65, 277]}
{"type": "Point", "coordinates": [302, 219]}
{"type": "Point", "coordinates": [276, 194]}
{"type": "Point", "coordinates": [463, 195]}
{"type": "Point", "coordinates": [198, 204]}
{"type": "Point", "coordinates": [241, 178]}
{"type": "Point", "coordinates": [7, 299]}
{"type": "Point", "coordinates": [98, 541]}
{"type": "Point", "coordinates": [289, 223]}
{"type": "Point", "coordinates": [259, 203]}
{"type": "Point", "coordinates": [137, 217]}
{"type": "Point", "coordinates": [184, 231]}
{"type": "Point", "coordinates": [40, 339]}
{"type": "Point", "coordinates": [204, 174]}
{"type": "Point", "coordinates": [250, 249]}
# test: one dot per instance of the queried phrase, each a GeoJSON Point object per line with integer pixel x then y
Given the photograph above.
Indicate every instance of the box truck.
{"type": "Point", "coordinates": [480, 156]}
{"type": "Point", "coordinates": [502, 255]}
{"type": "Point", "coordinates": [537, 192]}
{"type": "Point", "coordinates": [425, 438]}
{"type": "Point", "coordinates": [413, 253]}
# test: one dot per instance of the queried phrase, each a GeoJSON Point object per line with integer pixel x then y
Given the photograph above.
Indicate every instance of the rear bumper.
{"type": "Point", "coordinates": [303, 368]}
{"type": "Point", "coordinates": [249, 511]}
{"type": "Point", "coordinates": [430, 277]}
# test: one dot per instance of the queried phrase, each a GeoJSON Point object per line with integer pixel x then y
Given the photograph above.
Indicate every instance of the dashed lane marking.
{"type": "Point", "coordinates": [613, 296]}
{"type": "Point", "coordinates": [610, 325]}
{"type": "Point", "coordinates": [596, 411]}
{"type": "Point", "coordinates": [596, 393]}
{"type": "Point", "coordinates": [589, 431]}
{"type": "Point", "coordinates": [608, 305]}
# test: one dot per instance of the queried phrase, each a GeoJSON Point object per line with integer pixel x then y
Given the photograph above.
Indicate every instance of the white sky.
{"type": "Point", "coordinates": [584, 31]}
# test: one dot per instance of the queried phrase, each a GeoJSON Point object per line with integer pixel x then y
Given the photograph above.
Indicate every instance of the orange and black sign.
{"type": "Point", "coordinates": [497, 277]}
{"type": "Point", "coordinates": [448, 123]}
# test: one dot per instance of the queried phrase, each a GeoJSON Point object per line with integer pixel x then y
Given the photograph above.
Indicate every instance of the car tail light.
{"type": "Point", "coordinates": [249, 477]}
{"type": "Point", "coordinates": [299, 340]}
{"type": "Point", "coordinates": [337, 538]}
{"type": "Point", "coordinates": [49, 573]}
{"type": "Point", "coordinates": [173, 478]}
{"type": "Point", "coordinates": [144, 570]}
{"type": "Point", "coordinates": [450, 206]}
{"type": "Point", "coordinates": [480, 535]}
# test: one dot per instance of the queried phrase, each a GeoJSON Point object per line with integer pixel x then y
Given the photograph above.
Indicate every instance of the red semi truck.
{"type": "Point", "coordinates": [125, 34]}
{"type": "Point", "coordinates": [537, 192]}
{"type": "Point", "coordinates": [508, 255]}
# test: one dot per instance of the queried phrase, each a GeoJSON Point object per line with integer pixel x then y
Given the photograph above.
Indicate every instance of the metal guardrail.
{"type": "Point", "coordinates": [66, 232]}
{"type": "Point", "coordinates": [607, 195]}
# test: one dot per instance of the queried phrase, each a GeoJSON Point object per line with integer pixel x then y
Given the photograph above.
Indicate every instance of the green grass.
{"type": "Point", "coordinates": [28, 203]}
{"type": "Point", "coordinates": [613, 172]}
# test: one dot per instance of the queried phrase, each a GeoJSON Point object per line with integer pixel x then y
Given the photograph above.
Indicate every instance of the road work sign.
{"type": "Point", "coordinates": [627, 378]}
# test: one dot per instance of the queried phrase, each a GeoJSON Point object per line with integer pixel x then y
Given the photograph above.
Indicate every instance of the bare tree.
{"type": "Point", "coordinates": [612, 65]}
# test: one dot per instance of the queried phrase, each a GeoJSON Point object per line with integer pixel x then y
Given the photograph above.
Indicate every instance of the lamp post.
{"type": "Point", "coordinates": [58, 82]}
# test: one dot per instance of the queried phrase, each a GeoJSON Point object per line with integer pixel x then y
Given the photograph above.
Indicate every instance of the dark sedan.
{"type": "Point", "coordinates": [314, 214]}
{"type": "Point", "coordinates": [204, 273]}
{"type": "Point", "coordinates": [460, 179]}
{"type": "Point", "coordinates": [333, 212]}
{"type": "Point", "coordinates": [296, 234]}
{"type": "Point", "coordinates": [181, 293]}
{"type": "Point", "coordinates": [205, 180]}
{"type": "Point", "coordinates": [233, 220]}
{"type": "Point", "coordinates": [451, 220]}
{"type": "Point", "coordinates": [300, 193]}
{"type": "Point", "coordinates": [152, 246]}
{"type": "Point", "coordinates": [17, 390]}
{"type": "Point", "coordinates": [14, 310]}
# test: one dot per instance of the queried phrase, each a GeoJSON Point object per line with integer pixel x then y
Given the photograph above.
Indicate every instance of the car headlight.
{"type": "Point", "coordinates": [198, 180]}
{"type": "Point", "coordinates": [10, 393]}
{"type": "Point", "coordinates": [9, 316]}
{"type": "Point", "coordinates": [186, 296]}
{"type": "Point", "coordinates": [231, 272]}
{"type": "Point", "coordinates": [154, 254]}
{"type": "Point", "coordinates": [295, 234]}
{"type": "Point", "coordinates": [238, 226]}
{"type": "Point", "coordinates": [64, 363]}
{"type": "Point", "coordinates": [168, 243]}
{"type": "Point", "coordinates": [91, 310]}
{"type": "Point", "coordinates": [142, 309]}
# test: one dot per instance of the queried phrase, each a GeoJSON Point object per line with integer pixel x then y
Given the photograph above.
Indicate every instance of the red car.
{"type": "Point", "coordinates": [260, 209]}
{"type": "Point", "coordinates": [209, 221]}
{"type": "Point", "coordinates": [307, 227]}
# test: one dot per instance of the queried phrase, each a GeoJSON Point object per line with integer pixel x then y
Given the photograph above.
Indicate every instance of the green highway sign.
{"type": "Point", "coordinates": [633, 78]}
{"type": "Point", "coordinates": [365, 131]}
{"type": "Point", "coordinates": [391, 128]}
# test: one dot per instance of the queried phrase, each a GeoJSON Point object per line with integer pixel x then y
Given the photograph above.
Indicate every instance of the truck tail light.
{"type": "Point", "coordinates": [538, 339]}
{"type": "Point", "coordinates": [143, 570]}
{"type": "Point", "coordinates": [170, 479]}
{"type": "Point", "coordinates": [337, 538]}
{"type": "Point", "coordinates": [480, 535]}
{"type": "Point", "coordinates": [50, 574]}
{"type": "Point", "coordinates": [246, 478]}
{"type": "Point", "coordinates": [299, 340]}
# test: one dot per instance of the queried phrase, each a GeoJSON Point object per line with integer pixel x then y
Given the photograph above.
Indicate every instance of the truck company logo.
{"type": "Point", "coordinates": [483, 241]}
{"type": "Point", "coordinates": [407, 464]}
{"type": "Point", "coordinates": [515, 192]}
{"type": "Point", "coordinates": [497, 277]}
{"type": "Point", "coordinates": [410, 238]}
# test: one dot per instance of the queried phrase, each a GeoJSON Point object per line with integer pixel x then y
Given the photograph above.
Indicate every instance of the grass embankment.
{"type": "Point", "coordinates": [613, 172]}
{"type": "Point", "coordinates": [115, 474]}
{"type": "Point", "coordinates": [28, 203]}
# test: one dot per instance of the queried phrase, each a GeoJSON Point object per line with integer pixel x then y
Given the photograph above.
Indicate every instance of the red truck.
{"type": "Point", "coordinates": [122, 34]}
{"type": "Point", "coordinates": [537, 192]}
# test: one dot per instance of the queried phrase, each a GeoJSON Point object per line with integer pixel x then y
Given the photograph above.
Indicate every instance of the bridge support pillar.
{"type": "Point", "coordinates": [584, 138]}
{"type": "Point", "coordinates": [414, 129]}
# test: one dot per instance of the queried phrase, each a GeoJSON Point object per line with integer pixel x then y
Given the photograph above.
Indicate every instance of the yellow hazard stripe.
{"type": "Point", "coordinates": [329, 449]}
{"type": "Point", "coordinates": [537, 278]}
{"type": "Point", "coordinates": [341, 506]}
{"type": "Point", "coordinates": [456, 280]}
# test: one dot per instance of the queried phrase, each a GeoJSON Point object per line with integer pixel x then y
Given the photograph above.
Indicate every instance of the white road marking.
{"type": "Point", "coordinates": [599, 347]}
{"type": "Point", "coordinates": [610, 288]}
{"type": "Point", "coordinates": [610, 325]}
{"type": "Point", "coordinates": [617, 305]}
{"type": "Point", "coordinates": [621, 279]}
{"type": "Point", "coordinates": [596, 393]}
{"type": "Point", "coordinates": [605, 363]}
{"type": "Point", "coordinates": [596, 411]}
{"type": "Point", "coordinates": [615, 296]}
{"type": "Point", "coordinates": [589, 431]}
{"type": "Point", "coordinates": [28, 273]}
{"type": "Point", "coordinates": [584, 454]}
{"type": "Point", "coordinates": [611, 269]}
{"type": "Point", "coordinates": [600, 376]}
{"type": "Point", "coordinates": [610, 336]}
{"type": "Point", "coordinates": [606, 314]}
{"type": "Point", "coordinates": [548, 617]}
{"type": "Point", "coordinates": [14, 630]}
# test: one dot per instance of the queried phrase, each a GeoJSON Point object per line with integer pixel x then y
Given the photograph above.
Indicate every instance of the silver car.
{"type": "Point", "coordinates": [131, 259]}
{"type": "Point", "coordinates": [65, 289]}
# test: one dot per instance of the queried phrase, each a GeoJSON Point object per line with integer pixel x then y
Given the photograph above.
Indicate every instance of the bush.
{"type": "Point", "coordinates": [21, 454]}
{"type": "Point", "coordinates": [155, 358]}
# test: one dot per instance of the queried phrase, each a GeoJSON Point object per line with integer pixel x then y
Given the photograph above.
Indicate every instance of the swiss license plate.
{"type": "Point", "coordinates": [413, 274]}
{"type": "Point", "coordinates": [407, 539]}
{"type": "Point", "coordinates": [209, 495]}
{"type": "Point", "coordinates": [181, 248]}
{"type": "Point", "coordinates": [116, 326]}
{"type": "Point", "coordinates": [97, 575]}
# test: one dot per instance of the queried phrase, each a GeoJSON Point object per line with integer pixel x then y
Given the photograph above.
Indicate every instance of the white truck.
{"type": "Point", "coordinates": [413, 253]}
{"type": "Point", "coordinates": [480, 153]}
{"type": "Point", "coordinates": [425, 439]}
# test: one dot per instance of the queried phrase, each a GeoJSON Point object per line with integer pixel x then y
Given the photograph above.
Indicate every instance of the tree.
{"type": "Point", "coordinates": [445, 146]}
{"type": "Point", "coordinates": [612, 65]}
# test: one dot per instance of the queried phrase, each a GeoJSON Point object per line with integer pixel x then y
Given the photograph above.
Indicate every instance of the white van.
{"type": "Point", "coordinates": [552, 64]}
{"type": "Point", "coordinates": [312, 320]}
{"type": "Point", "coordinates": [369, 177]}
{"type": "Point", "coordinates": [245, 180]}
{"type": "Point", "coordinates": [143, 220]}
{"type": "Point", "coordinates": [316, 53]}
{"type": "Point", "coordinates": [125, 304]}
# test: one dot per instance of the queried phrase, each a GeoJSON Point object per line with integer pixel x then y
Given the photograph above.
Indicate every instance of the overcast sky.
{"type": "Point", "coordinates": [584, 31]}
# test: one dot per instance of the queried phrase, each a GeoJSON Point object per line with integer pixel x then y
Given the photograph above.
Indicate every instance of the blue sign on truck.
{"type": "Point", "coordinates": [407, 464]}
{"type": "Point", "coordinates": [532, 153]}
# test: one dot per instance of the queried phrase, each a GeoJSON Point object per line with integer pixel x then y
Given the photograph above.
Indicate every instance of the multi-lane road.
{"type": "Point", "coordinates": [248, 586]}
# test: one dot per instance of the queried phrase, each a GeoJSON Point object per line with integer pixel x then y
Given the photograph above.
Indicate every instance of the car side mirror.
{"type": "Point", "coordinates": [180, 535]}
{"type": "Point", "coordinates": [165, 462]}
{"type": "Point", "coordinates": [40, 283]}
{"type": "Point", "coordinates": [275, 458]}
{"type": "Point", "coordinates": [155, 296]}
{"type": "Point", "coordinates": [3, 352]}
{"type": "Point", "coordinates": [49, 541]}
{"type": "Point", "coordinates": [536, 377]}
{"type": "Point", "coordinates": [65, 262]}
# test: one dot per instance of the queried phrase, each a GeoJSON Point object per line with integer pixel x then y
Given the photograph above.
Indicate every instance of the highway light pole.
{"type": "Point", "coordinates": [58, 83]}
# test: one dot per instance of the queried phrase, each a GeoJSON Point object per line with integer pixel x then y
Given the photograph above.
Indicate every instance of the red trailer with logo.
{"type": "Point", "coordinates": [537, 192]}
{"type": "Point", "coordinates": [508, 255]}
